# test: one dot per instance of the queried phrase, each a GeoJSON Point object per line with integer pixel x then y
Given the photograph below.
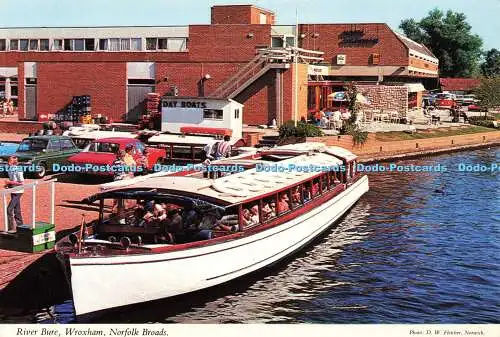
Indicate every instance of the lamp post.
{"type": "Point", "coordinates": [201, 85]}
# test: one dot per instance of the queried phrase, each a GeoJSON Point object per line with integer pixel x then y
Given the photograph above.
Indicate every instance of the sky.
{"type": "Point", "coordinates": [482, 15]}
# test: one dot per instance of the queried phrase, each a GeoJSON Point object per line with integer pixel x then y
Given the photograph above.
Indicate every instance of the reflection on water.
{"type": "Point", "coordinates": [418, 248]}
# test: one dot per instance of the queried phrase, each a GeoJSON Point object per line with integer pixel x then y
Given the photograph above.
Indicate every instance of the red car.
{"type": "Point", "coordinates": [98, 156]}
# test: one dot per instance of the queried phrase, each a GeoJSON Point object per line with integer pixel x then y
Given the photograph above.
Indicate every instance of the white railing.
{"type": "Point", "coordinates": [33, 187]}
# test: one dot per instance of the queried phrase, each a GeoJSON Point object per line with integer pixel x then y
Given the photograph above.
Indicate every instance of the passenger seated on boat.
{"type": "Point", "coordinates": [254, 215]}
{"type": "Point", "coordinates": [283, 203]}
{"type": "Point", "coordinates": [246, 218]}
{"type": "Point", "coordinates": [315, 188]}
{"type": "Point", "coordinates": [267, 212]}
{"type": "Point", "coordinates": [296, 196]}
{"type": "Point", "coordinates": [175, 224]}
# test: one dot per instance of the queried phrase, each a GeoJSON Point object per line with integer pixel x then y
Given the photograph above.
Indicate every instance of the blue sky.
{"type": "Point", "coordinates": [483, 15]}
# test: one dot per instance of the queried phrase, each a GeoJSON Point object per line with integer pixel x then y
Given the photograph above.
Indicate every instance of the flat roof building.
{"type": "Point", "coordinates": [241, 55]}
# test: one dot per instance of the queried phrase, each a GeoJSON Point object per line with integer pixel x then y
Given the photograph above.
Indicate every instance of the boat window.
{"type": "Point", "coordinates": [297, 196]}
{"type": "Point", "coordinates": [250, 215]}
{"type": "Point", "coordinates": [307, 191]}
{"type": "Point", "coordinates": [268, 208]}
{"type": "Point", "coordinates": [324, 182]}
{"type": "Point", "coordinates": [333, 179]}
{"type": "Point", "coordinates": [315, 188]}
{"type": "Point", "coordinates": [284, 204]}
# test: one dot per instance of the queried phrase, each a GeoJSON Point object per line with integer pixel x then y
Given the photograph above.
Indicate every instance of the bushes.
{"type": "Point", "coordinates": [487, 122]}
{"type": "Point", "coordinates": [288, 129]}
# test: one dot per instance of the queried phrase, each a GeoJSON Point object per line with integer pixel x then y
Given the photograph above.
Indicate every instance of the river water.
{"type": "Point", "coordinates": [418, 248]}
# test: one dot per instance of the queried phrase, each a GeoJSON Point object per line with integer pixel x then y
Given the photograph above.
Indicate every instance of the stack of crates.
{"type": "Point", "coordinates": [80, 106]}
{"type": "Point", "coordinates": [152, 103]}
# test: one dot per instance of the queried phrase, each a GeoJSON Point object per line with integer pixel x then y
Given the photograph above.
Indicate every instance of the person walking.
{"type": "Point", "coordinates": [16, 178]}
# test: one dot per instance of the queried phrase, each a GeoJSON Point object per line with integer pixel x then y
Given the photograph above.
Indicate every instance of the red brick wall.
{"type": "Point", "coordinates": [239, 14]}
{"type": "Point", "coordinates": [226, 43]}
{"type": "Point", "coordinates": [106, 83]}
{"type": "Point", "coordinates": [20, 127]}
{"type": "Point", "coordinates": [255, 16]}
{"type": "Point", "coordinates": [231, 15]}
{"type": "Point", "coordinates": [259, 100]}
{"type": "Point", "coordinates": [392, 51]}
{"type": "Point", "coordinates": [186, 76]}
{"type": "Point", "coordinates": [10, 59]}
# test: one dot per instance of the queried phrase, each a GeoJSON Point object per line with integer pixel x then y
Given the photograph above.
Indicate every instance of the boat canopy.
{"type": "Point", "coordinates": [154, 194]}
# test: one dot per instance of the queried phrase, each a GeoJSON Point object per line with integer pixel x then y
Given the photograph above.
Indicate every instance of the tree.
{"type": "Point", "coordinates": [491, 65]}
{"type": "Point", "coordinates": [489, 92]}
{"type": "Point", "coordinates": [449, 38]}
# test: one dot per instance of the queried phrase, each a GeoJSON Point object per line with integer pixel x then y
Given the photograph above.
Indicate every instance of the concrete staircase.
{"type": "Point", "coordinates": [268, 141]}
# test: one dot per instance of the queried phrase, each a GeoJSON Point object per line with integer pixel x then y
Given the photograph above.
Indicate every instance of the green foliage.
{"type": "Point", "coordinates": [308, 130]}
{"type": "Point", "coordinates": [489, 92]}
{"type": "Point", "coordinates": [450, 39]}
{"type": "Point", "coordinates": [288, 129]}
{"type": "Point", "coordinates": [485, 123]}
{"type": "Point", "coordinates": [491, 65]}
{"type": "Point", "coordinates": [359, 137]}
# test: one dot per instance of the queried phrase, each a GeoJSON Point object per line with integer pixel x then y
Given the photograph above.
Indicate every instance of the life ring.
{"type": "Point", "coordinates": [231, 191]}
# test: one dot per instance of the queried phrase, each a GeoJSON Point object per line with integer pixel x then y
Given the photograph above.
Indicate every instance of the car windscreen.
{"type": "Point", "coordinates": [102, 147]}
{"type": "Point", "coordinates": [36, 145]}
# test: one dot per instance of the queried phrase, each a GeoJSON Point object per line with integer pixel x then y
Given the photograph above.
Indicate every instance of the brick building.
{"type": "Point", "coordinates": [242, 55]}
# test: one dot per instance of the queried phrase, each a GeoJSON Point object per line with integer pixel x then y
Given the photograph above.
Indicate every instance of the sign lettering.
{"type": "Point", "coordinates": [184, 104]}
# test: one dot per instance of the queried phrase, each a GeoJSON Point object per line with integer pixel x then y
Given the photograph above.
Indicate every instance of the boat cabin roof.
{"type": "Point", "coordinates": [267, 177]}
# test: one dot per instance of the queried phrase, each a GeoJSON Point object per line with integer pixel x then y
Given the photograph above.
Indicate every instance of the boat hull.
{"type": "Point", "coordinates": [100, 283]}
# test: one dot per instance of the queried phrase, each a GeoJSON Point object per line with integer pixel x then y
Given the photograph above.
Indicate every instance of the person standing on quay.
{"type": "Point", "coordinates": [16, 178]}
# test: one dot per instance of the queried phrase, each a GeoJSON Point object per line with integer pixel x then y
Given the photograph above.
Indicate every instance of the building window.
{"type": "Point", "coordinates": [3, 44]}
{"type": "Point", "coordinates": [23, 44]}
{"type": "Point", "coordinates": [276, 42]}
{"type": "Point", "coordinates": [290, 41]}
{"type": "Point", "coordinates": [33, 44]}
{"type": "Point", "coordinates": [103, 44]}
{"type": "Point", "coordinates": [14, 45]}
{"type": "Point", "coordinates": [150, 43]}
{"type": "Point", "coordinates": [44, 44]}
{"type": "Point", "coordinates": [176, 44]}
{"type": "Point", "coordinates": [236, 113]}
{"type": "Point", "coordinates": [136, 44]}
{"type": "Point", "coordinates": [90, 44]}
{"type": "Point", "coordinates": [68, 44]}
{"type": "Point", "coordinates": [58, 44]}
{"type": "Point", "coordinates": [79, 45]}
{"type": "Point", "coordinates": [114, 44]}
{"type": "Point", "coordinates": [125, 44]}
{"type": "Point", "coordinates": [212, 114]}
{"type": "Point", "coordinates": [163, 43]}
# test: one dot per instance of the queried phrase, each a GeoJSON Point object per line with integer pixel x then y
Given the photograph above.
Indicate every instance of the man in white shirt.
{"type": "Point", "coordinates": [16, 178]}
{"type": "Point", "coordinates": [223, 148]}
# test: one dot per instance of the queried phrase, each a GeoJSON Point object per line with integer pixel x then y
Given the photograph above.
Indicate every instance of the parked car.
{"type": "Point", "coordinates": [469, 99]}
{"type": "Point", "coordinates": [476, 107]}
{"type": "Point", "coordinates": [42, 152]}
{"type": "Point", "coordinates": [102, 152]}
{"type": "Point", "coordinates": [445, 100]}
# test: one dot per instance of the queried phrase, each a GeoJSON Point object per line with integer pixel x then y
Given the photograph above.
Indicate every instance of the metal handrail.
{"type": "Point", "coordinates": [33, 186]}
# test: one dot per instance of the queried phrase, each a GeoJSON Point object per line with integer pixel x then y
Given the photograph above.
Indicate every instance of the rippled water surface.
{"type": "Point", "coordinates": [418, 248]}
